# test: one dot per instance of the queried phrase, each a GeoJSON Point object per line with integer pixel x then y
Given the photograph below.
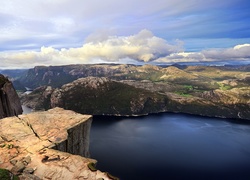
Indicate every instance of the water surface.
{"type": "Point", "coordinates": [171, 146]}
{"type": "Point", "coordinates": [26, 110]}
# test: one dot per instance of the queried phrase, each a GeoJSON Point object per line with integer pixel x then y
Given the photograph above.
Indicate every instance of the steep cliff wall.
{"type": "Point", "coordinates": [29, 145]}
{"type": "Point", "coordinates": [77, 141]}
{"type": "Point", "coordinates": [9, 101]}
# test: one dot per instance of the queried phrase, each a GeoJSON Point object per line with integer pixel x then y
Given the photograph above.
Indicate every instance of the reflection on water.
{"type": "Point", "coordinates": [171, 146]}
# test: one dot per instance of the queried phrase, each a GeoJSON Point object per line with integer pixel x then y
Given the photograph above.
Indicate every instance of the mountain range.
{"type": "Point", "coordinates": [114, 89]}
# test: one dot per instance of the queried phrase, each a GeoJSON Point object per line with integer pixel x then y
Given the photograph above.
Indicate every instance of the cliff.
{"type": "Point", "coordinates": [9, 101]}
{"type": "Point", "coordinates": [31, 145]}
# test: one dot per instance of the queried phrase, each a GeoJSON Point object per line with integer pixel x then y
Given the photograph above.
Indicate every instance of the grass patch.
{"type": "Point", "coordinates": [111, 176]}
{"type": "Point", "coordinates": [92, 167]}
{"type": "Point", "coordinates": [183, 94]}
{"type": "Point", "coordinates": [7, 175]}
{"type": "Point", "coordinates": [224, 87]}
{"type": "Point", "coordinates": [189, 87]}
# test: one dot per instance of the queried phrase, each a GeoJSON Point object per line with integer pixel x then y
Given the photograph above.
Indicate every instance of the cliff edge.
{"type": "Point", "coordinates": [10, 104]}
{"type": "Point", "coordinates": [31, 145]}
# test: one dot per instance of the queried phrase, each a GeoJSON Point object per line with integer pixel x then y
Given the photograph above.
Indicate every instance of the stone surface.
{"type": "Point", "coordinates": [32, 142]}
{"type": "Point", "coordinates": [10, 104]}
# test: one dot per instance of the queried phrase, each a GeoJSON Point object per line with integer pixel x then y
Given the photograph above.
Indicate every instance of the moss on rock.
{"type": "Point", "coordinates": [92, 167]}
{"type": "Point", "coordinates": [7, 175]}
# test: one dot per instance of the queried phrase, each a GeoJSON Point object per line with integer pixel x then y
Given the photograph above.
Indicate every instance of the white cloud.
{"type": "Point", "coordinates": [182, 57]}
{"type": "Point", "coordinates": [241, 46]}
{"type": "Point", "coordinates": [143, 46]}
{"type": "Point", "coordinates": [102, 47]}
{"type": "Point", "coordinates": [241, 52]}
{"type": "Point", "coordinates": [238, 52]}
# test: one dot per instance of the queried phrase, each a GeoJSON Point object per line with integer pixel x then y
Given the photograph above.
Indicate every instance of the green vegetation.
{"type": "Point", "coordinates": [7, 175]}
{"type": "Point", "coordinates": [9, 146]}
{"type": "Point", "coordinates": [183, 94]}
{"type": "Point", "coordinates": [137, 90]}
{"type": "Point", "coordinates": [224, 87]}
{"type": "Point", "coordinates": [111, 98]}
{"type": "Point", "coordinates": [2, 145]}
{"type": "Point", "coordinates": [92, 167]}
{"type": "Point", "coordinates": [189, 87]}
{"type": "Point", "coordinates": [111, 176]}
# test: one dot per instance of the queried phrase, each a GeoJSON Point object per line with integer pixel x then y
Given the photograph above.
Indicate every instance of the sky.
{"type": "Point", "coordinates": [58, 32]}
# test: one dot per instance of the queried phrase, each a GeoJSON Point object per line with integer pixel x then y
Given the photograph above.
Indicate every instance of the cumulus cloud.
{"type": "Point", "coordinates": [238, 52]}
{"type": "Point", "coordinates": [241, 52]}
{"type": "Point", "coordinates": [143, 46]}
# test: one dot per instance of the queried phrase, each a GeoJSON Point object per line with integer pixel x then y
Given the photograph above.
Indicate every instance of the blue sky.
{"type": "Point", "coordinates": [45, 32]}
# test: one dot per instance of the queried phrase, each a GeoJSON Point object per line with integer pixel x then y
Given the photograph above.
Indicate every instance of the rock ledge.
{"type": "Point", "coordinates": [30, 144]}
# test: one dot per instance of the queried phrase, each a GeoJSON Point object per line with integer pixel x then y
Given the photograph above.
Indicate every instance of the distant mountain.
{"type": "Point", "coordinates": [13, 73]}
{"type": "Point", "coordinates": [102, 96]}
{"type": "Point", "coordinates": [56, 76]}
{"type": "Point", "coordinates": [204, 90]}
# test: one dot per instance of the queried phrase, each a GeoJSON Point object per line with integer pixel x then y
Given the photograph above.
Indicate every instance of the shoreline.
{"type": "Point", "coordinates": [29, 110]}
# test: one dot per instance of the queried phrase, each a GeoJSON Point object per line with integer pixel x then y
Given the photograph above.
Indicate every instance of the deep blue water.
{"type": "Point", "coordinates": [171, 146]}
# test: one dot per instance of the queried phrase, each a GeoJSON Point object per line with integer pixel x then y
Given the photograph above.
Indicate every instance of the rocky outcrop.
{"type": "Point", "coordinates": [9, 101]}
{"type": "Point", "coordinates": [56, 76]}
{"type": "Point", "coordinates": [31, 145]}
{"type": "Point", "coordinates": [100, 96]}
{"type": "Point", "coordinates": [202, 90]}
{"type": "Point", "coordinates": [237, 100]}
{"type": "Point", "coordinates": [39, 99]}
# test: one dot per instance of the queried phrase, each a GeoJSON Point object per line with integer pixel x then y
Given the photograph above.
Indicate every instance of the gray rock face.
{"type": "Point", "coordinates": [9, 101]}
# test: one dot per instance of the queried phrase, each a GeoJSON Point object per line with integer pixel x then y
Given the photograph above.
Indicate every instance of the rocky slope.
{"type": "Point", "coordinates": [202, 90]}
{"type": "Point", "coordinates": [102, 96]}
{"type": "Point", "coordinates": [30, 144]}
{"type": "Point", "coordinates": [9, 101]}
{"type": "Point", "coordinates": [97, 96]}
{"type": "Point", "coordinates": [56, 76]}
